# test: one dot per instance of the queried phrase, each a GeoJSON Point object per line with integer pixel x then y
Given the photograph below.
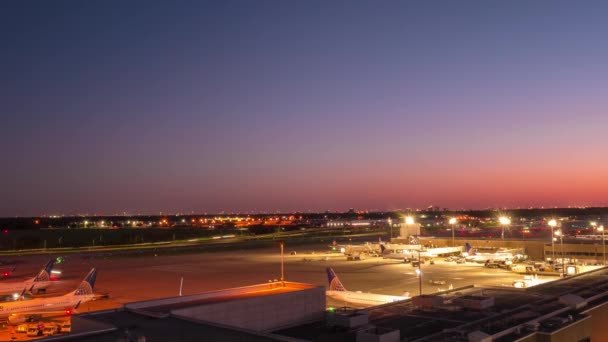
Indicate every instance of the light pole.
{"type": "Point", "coordinates": [561, 245]}
{"type": "Point", "coordinates": [390, 224]}
{"type": "Point", "coordinates": [453, 222]}
{"type": "Point", "coordinates": [552, 223]}
{"type": "Point", "coordinates": [282, 274]}
{"type": "Point", "coordinates": [504, 221]}
{"type": "Point", "coordinates": [408, 222]}
{"type": "Point", "coordinates": [419, 272]}
{"type": "Point", "coordinates": [601, 229]}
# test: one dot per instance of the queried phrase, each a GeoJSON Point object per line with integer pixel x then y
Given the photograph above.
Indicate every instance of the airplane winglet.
{"type": "Point", "coordinates": [22, 295]}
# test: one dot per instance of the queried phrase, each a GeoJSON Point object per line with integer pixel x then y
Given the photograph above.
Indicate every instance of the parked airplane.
{"type": "Point", "coordinates": [20, 311]}
{"type": "Point", "coordinates": [37, 284]}
{"type": "Point", "coordinates": [403, 254]}
{"type": "Point", "coordinates": [397, 254]}
{"type": "Point", "coordinates": [473, 256]}
{"type": "Point", "coordinates": [338, 292]}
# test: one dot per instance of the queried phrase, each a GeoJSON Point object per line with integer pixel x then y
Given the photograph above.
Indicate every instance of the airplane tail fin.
{"type": "Point", "coordinates": [45, 273]}
{"type": "Point", "coordinates": [467, 247]}
{"type": "Point", "coordinates": [382, 248]}
{"type": "Point", "coordinates": [86, 286]}
{"type": "Point", "coordinates": [334, 282]}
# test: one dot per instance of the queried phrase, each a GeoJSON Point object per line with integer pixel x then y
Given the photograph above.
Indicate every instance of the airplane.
{"type": "Point", "coordinates": [338, 292]}
{"type": "Point", "coordinates": [472, 255]}
{"type": "Point", "coordinates": [19, 311]}
{"type": "Point", "coordinates": [37, 284]}
{"type": "Point", "coordinates": [398, 254]}
{"type": "Point", "coordinates": [405, 255]}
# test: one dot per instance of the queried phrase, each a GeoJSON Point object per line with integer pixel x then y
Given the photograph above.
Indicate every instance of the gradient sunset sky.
{"type": "Point", "coordinates": [207, 106]}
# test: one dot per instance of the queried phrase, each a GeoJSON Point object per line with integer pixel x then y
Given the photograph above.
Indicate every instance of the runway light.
{"type": "Point", "coordinates": [68, 312]}
{"type": "Point", "coordinates": [6, 274]}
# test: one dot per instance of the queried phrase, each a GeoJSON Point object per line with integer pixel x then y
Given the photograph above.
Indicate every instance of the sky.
{"type": "Point", "coordinates": [238, 106]}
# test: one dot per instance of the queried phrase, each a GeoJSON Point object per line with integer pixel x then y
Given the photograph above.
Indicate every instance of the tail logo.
{"type": "Point", "coordinates": [45, 273]}
{"type": "Point", "coordinates": [86, 286]}
{"type": "Point", "coordinates": [84, 289]}
{"type": "Point", "coordinates": [334, 282]}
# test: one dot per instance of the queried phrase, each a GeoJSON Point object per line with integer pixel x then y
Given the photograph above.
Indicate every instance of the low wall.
{"type": "Point", "coordinates": [85, 237]}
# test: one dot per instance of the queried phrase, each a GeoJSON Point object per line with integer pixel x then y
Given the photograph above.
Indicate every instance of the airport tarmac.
{"type": "Point", "coordinates": [133, 278]}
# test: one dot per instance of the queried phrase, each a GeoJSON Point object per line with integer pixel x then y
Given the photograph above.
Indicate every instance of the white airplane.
{"type": "Point", "coordinates": [37, 284]}
{"type": "Point", "coordinates": [397, 254]}
{"type": "Point", "coordinates": [338, 292]}
{"type": "Point", "coordinates": [18, 312]}
{"type": "Point", "coordinates": [405, 255]}
{"type": "Point", "coordinates": [472, 255]}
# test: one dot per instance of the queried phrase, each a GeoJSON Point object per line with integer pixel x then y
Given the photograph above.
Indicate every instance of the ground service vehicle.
{"type": "Point", "coordinates": [65, 328]}
{"type": "Point", "coordinates": [49, 330]}
{"type": "Point", "coordinates": [33, 330]}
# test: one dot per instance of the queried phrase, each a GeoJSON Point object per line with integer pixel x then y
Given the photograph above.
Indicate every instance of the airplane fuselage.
{"type": "Point", "coordinates": [490, 256]}
{"type": "Point", "coordinates": [360, 298]}
{"type": "Point", "coordinates": [18, 287]}
{"type": "Point", "coordinates": [40, 305]}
